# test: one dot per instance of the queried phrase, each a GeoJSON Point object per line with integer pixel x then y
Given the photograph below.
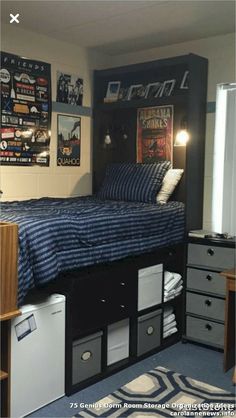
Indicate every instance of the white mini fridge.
{"type": "Point", "coordinates": [38, 355]}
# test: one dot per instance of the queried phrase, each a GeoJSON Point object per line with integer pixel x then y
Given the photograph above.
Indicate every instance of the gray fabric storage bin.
{"type": "Point", "coordinates": [205, 305]}
{"type": "Point", "coordinates": [86, 357]}
{"type": "Point", "coordinates": [205, 331]}
{"type": "Point", "coordinates": [149, 332]}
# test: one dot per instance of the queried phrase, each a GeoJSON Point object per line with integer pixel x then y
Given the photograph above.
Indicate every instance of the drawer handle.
{"type": "Point", "coordinates": [208, 326]}
{"type": "Point", "coordinates": [209, 277]}
{"type": "Point", "coordinates": [122, 283]}
{"type": "Point", "coordinates": [210, 251]}
{"type": "Point", "coordinates": [150, 330]}
{"type": "Point", "coordinates": [86, 355]}
{"type": "Point", "coordinates": [208, 302]}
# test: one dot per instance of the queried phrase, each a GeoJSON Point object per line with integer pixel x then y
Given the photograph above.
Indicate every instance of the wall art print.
{"type": "Point", "coordinates": [155, 134]}
{"type": "Point", "coordinates": [25, 111]}
{"type": "Point", "coordinates": [68, 140]}
{"type": "Point", "coordinates": [69, 89]}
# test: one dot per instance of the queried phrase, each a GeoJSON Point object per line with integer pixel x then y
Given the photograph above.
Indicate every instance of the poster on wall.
{"type": "Point", "coordinates": [69, 89]}
{"type": "Point", "coordinates": [155, 134]}
{"type": "Point", "coordinates": [25, 111]}
{"type": "Point", "coordinates": [68, 140]}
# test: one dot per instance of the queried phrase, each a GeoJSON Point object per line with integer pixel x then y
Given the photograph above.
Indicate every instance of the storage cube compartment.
{"type": "Point", "coordinates": [170, 323]}
{"type": "Point", "coordinates": [149, 332]}
{"type": "Point", "coordinates": [117, 341]}
{"type": "Point", "coordinates": [150, 286]}
{"type": "Point", "coordinates": [86, 357]}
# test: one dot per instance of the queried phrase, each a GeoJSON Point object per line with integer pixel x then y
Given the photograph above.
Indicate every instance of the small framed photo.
{"type": "Point", "coordinates": [123, 93]}
{"type": "Point", "coordinates": [167, 88]}
{"type": "Point", "coordinates": [184, 82]}
{"type": "Point", "coordinates": [112, 93]}
{"type": "Point", "coordinates": [153, 90]}
{"type": "Point", "coordinates": [137, 91]}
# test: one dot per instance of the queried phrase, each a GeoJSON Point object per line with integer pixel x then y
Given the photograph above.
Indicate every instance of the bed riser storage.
{"type": "Point", "coordinates": [83, 320]}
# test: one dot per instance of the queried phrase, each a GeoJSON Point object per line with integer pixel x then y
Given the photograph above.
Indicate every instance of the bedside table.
{"type": "Point", "coordinates": [205, 289]}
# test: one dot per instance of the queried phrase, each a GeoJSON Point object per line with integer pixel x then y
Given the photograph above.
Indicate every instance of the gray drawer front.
{"type": "Point", "coordinates": [205, 331]}
{"type": "Point", "coordinates": [86, 360]}
{"type": "Point", "coordinates": [206, 281]}
{"type": "Point", "coordinates": [149, 333]}
{"type": "Point", "coordinates": [207, 306]}
{"type": "Point", "coordinates": [221, 258]}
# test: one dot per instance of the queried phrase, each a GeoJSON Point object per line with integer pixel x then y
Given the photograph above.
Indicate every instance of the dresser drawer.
{"type": "Point", "coordinates": [206, 281]}
{"type": "Point", "coordinates": [209, 256]}
{"type": "Point", "coordinates": [205, 331]}
{"type": "Point", "coordinates": [207, 306]}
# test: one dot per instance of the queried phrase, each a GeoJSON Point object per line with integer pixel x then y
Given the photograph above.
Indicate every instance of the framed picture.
{"type": "Point", "coordinates": [155, 134]}
{"type": "Point", "coordinates": [68, 140]}
{"type": "Point", "coordinates": [69, 89]}
{"type": "Point", "coordinates": [123, 93]}
{"type": "Point", "coordinates": [153, 90]}
{"type": "Point", "coordinates": [167, 88]}
{"type": "Point", "coordinates": [184, 82]}
{"type": "Point", "coordinates": [137, 91]}
{"type": "Point", "coordinates": [112, 93]}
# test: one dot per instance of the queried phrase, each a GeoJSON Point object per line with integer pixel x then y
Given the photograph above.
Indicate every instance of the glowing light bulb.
{"type": "Point", "coordinates": [181, 138]}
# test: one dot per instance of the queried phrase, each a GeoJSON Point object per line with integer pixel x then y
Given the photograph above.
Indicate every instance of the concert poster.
{"type": "Point", "coordinates": [155, 134]}
{"type": "Point", "coordinates": [25, 111]}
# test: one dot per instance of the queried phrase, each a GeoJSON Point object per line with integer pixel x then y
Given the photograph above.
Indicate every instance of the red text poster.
{"type": "Point", "coordinates": [155, 134]}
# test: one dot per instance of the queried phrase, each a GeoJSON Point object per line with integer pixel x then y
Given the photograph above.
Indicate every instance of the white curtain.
{"type": "Point", "coordinates": [224, 170]}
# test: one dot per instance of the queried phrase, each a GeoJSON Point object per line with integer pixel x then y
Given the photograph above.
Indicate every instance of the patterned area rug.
{"type": "Point", "coordinates": [163, 393]}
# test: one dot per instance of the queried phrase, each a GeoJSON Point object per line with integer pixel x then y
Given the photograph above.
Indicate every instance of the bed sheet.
{"type": "Point", "coordinates": [56, 235]}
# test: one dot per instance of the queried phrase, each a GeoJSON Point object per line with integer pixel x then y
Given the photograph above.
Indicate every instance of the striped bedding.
{"type": "Point", "coordinates": [56, 235]}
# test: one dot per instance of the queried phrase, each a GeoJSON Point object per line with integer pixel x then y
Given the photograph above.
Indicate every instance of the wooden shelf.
{"type": "Point", "coordinates": [10, 315]}
{"type": "Point", "coordinates": [134, 104]}
{"type": "Point", "coordinates": [3, 375]}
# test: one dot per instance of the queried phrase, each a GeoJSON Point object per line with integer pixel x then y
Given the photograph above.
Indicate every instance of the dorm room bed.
{"type": "Point", "coordinates": [93, 249]}
{"type": "Point", "coordinates": [57, 235]}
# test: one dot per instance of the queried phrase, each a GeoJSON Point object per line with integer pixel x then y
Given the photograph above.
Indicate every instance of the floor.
{"type": "Point", "coordinates": [191, 360]}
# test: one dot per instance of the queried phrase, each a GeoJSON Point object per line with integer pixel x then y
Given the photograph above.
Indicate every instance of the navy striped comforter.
{"type": "Point", "coordinates": [56, 235]}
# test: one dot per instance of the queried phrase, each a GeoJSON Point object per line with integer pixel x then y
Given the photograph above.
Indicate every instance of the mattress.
{"type": "Point", "coordinates": [56, 235]}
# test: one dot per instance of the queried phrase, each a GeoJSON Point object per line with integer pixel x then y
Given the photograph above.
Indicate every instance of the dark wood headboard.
{"type": "Point", "coordinates": [119, 116]}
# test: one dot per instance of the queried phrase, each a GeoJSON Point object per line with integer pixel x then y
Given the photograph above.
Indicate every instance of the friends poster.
{"type": "Point", "coordinates": [25, 111]}
{"type": "Point", "coordinates": [155, 134]}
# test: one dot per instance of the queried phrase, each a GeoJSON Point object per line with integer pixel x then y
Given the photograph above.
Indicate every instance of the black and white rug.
{"type": "Point", "coordinates": [163, 393]}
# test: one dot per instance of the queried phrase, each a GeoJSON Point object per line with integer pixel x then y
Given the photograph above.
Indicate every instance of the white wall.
{"type": "Point", "coordinates": [220, 51]}
{"type": "Point", "coordinates": [33, 182]}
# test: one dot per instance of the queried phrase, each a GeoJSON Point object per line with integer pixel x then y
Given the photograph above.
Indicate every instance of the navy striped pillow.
{"type": "Point", "coordinates": [134, 182]}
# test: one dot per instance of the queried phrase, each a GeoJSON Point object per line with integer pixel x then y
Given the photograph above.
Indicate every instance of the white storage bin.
{"type": "Point", "coordinates": [150, 286]}
{"type": "Point", "coordinates": [118, 341]}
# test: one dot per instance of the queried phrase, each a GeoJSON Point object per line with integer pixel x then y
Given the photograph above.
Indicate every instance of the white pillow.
{"type": "Point", "coordinates": [169, 183]}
